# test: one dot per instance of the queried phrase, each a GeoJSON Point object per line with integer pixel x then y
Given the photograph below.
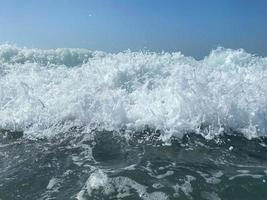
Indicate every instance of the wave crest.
{"type": "Point", "coordinates": [46, 90]}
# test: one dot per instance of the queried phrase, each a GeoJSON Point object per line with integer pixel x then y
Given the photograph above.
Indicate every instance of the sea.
{"type": "Point", "coordinates": [134, 125]}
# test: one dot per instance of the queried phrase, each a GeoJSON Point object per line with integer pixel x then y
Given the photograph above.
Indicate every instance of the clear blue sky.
{"type": "Point", "coordinates": [191, 26]}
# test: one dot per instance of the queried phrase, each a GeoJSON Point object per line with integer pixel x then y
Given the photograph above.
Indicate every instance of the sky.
{"type": "Point", "coordinates": [193, 27]}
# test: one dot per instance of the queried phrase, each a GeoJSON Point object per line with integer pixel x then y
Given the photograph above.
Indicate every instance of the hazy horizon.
{"type": "Point", "coordinates": [192, 27]}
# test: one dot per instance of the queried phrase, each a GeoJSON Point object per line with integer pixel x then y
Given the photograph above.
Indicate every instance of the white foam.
{"type": "Point", "coordinates": [185, 187]}
{"type": "Point", "coordinates": [43, 92]}
{"type": "Point", "coordinates": [99, 181]}
{"type": "Point", "coordinates": [256, 176]}
{"type": "Point", "coordinates": [211, 179]}
{"type": "Point", "coordinates": [53, 181]}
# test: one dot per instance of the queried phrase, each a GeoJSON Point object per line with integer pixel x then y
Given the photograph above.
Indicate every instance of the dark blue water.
{"type": "Point", "coordinates": [106, 165]}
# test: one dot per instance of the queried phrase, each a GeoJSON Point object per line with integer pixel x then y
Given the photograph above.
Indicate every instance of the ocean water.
{"type": "Point", "coordinates": [81, 124]}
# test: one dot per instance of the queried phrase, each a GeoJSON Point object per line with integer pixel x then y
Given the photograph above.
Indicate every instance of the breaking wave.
{"type": "Point", "coordinates": [44, 92]}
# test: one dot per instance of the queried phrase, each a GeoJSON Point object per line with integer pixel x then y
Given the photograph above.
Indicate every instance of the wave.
{"type": "Point", "coordinates": [44, 92]}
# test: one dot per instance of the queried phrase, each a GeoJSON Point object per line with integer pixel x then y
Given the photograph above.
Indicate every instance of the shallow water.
{"type": "Point", "coordinates": [79, 124]}
{"type": "Point", "coordinates": [109, 166]}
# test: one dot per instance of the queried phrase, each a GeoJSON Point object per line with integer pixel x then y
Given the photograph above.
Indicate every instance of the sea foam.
{"type": "Point", "coordinates": [44, 92]}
